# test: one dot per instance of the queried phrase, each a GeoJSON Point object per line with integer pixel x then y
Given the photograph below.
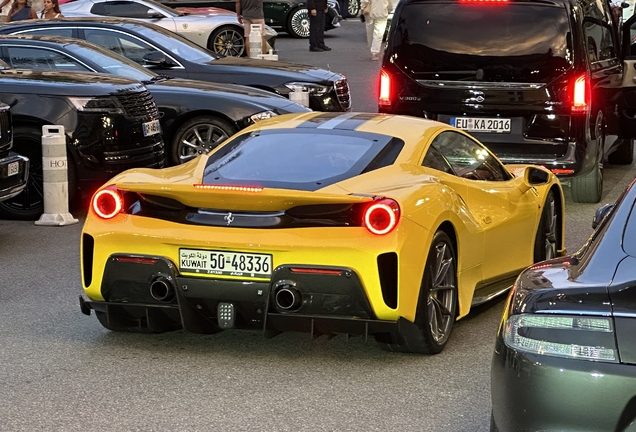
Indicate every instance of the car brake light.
{"type": "Point", "coordinates": [108, 203]}
{"type": "Point", "coordinates": [385, 88]}
{"type": "Point", "coordinates": [230, 188]}
{"type": "Point", "coordinates": [380, 217]}
{"type": "Point", "coordinates": [580, 100]}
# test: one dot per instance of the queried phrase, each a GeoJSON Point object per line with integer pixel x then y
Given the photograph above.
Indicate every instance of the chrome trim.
{"type": "Point", "coordinates": [480, 85]}
{"type": "Point", "coordinates": [624, 315]}
{"type": "Point", "coordinates": [575, 313]}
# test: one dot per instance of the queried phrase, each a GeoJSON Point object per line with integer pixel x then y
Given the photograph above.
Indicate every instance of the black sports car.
{"type": "Point", "coordinates": [195, 115]}
{"type": "Point", "coordinates": [565, 355]}
{"type": "Point", "coordinates": [289, 16]}
{"type": "Point", "coordinates": [168, 53]}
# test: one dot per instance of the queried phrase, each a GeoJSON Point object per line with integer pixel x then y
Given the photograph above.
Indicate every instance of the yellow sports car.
{"type": "Point", "coordinates": [359, 223]}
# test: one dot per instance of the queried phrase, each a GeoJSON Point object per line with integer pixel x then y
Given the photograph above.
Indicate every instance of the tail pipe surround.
{"type": "Point", "coordinates": [287, 297]}
{"type": "Point", "coordinates": [162, 289]}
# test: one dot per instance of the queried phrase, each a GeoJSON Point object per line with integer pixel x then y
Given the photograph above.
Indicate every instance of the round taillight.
{"type": "Point", "coordinates": [107, 203]}
{"type": "Point", "coordinates": [382, 216]}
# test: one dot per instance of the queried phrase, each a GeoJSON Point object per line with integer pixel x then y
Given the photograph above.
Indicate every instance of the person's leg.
{"type": "Point", "coordinates": [321, 15]}
{"type": "Point", "coordinates": [314, 43]}
{"type": "Point", "coordinates": [246, 35]}
{"type": "Point", "coordinates": [369, 24]}
{"type": "Point", "coordinates": [378, 31]}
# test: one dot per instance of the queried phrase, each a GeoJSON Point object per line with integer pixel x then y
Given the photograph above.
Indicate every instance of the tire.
{"type": "Point", "coordinates": [29, 205]}
{"type": "Point", "coordinates": [546, 240]}
{"type": "Point", "coordinates": [198, 136]}
{"type": "Point", "coordinates": [437, 303]}
{"type": "Point", "coordinates": [624, 153]}
{"type": "Point", "coordinates": [227, 41]}
{"type": "Point", "coordinates": [298, 23]}
{"type": "Point", "coordinates": [588, 188]}
{"type": "Point", "coordinates": [354, 8]}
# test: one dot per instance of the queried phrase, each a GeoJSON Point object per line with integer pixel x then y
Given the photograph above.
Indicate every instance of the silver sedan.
{"type": "Point", "coordinates": [217, 30]}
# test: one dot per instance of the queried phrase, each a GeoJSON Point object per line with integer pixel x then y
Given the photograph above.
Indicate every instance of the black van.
{"type": "Point", "coordinates": [537, 81]}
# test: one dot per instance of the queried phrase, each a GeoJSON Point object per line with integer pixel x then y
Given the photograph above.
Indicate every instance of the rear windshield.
{"type": "Point", "coordinates": [291, 159]}
{"type": "Point", "coordinates": [504, 42]}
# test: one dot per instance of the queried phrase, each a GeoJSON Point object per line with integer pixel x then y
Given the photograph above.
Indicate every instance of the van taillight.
{"type": "Point", "coordinates": [581, 96]}
{"type": "Point", "coordinates": [385, 89]}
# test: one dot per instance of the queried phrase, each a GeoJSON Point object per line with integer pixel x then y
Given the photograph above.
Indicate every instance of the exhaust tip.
{"type": "Point", "coordinates": [288, 299]}
{"type": "Point", "coordinates": [161, 289]}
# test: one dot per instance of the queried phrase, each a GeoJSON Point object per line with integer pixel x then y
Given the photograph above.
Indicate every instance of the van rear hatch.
{"type": "Point", "coordinates": [502, 71]}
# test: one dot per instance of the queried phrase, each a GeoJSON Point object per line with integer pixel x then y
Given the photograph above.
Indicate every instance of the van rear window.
{"type": "Point", "coordinates": [503, 42]}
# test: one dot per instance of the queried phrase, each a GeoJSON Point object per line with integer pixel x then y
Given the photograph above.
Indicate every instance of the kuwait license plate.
{"type": "Point", "coordinates": [13, 168]}
{"type": "Point", "coordinates": [472, 124]}
{"type": "Point", "coordinates": [151, 128]}
{"type": "Point", "coordinates": [225, 263]}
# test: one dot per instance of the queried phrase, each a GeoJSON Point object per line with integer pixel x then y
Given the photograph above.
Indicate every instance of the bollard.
{"type": "Point", "coordinates": [256, 41]}
{"type": "Point", "coordinates": [55, 176]}
{"type": "Point", "coordinates": [299, 94]}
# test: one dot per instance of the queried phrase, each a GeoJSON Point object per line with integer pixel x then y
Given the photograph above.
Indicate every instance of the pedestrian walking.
{"type": "Point", "coordinates": [51, 10]}
{"type": "Point", "coordinates": [375, 13]}
{"type": "Point", "coordinates": [317, 13]}
{"type": "Point", "coordinates": [21, 10]}
{"type": "Point", "coordinates": [251, 12]}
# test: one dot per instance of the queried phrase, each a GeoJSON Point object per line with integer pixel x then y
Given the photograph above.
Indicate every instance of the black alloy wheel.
{"type": "Point", "coordinates": [227, 41]}
{"type": "Point", "coordinates": [437, 303]}
{"type": "Point", "coordinates": [198, 136]}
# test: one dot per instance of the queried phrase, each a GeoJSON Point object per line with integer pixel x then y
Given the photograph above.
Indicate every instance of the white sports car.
{"type": "Point", "coordinates": [217, 30]}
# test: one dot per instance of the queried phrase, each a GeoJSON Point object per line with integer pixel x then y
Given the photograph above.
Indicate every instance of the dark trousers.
{"type": "Point", "coordinates": [344, 8]}
{"type": "Point", "coordinates": [317, 29]}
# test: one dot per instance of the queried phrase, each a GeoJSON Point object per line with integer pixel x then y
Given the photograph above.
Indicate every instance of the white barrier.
{"type": "Point", "coordinates": [55, 176]}
{"type": "Point", "coordinates": [256, 41]}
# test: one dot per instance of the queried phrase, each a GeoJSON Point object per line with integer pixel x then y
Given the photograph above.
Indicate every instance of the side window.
{"type": "Point", "coordinates": [52, 31]}
{"type": "Point", "coordinates": [126, 9]}
{"type": "Point", "coordinates": [122, 44]}
{"type": "Point", "coordinates": [435, 160]}
{"type": "Point", "coordinates": [468, 158]}
{"type": "Point", "coordinates": [42, 59]}
{"type": "Point", "coordinates": [600, 44]}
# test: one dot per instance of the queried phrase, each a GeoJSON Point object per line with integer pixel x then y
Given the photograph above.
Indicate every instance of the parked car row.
{"type": "Point", "coordinates": [183, 117]}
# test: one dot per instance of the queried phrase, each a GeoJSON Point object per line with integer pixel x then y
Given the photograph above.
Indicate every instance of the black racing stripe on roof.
{"type": "Point", "coordinates": [340, 121]}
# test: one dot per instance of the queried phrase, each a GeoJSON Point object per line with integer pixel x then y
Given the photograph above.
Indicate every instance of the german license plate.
{"type": "Point", "coordinates": [151, 128]}
{"type": "Point", "coordinates": [227, 263]}
{"type": "Point", "coordinates": [472, 124]}
{"type": "Point", "coordinates": [13, 168]}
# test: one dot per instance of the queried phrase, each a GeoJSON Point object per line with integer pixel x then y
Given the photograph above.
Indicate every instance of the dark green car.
{"type": "Point", "coordinates": [565, 354]}
{"type": "Point", "coordinates": [289, 16]}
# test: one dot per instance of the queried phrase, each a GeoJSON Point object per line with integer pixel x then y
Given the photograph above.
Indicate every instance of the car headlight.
{"type": "Point", "coordinates": [312, 88]}
{"type": "Point", "coordinates": [262, 116]}
{"type": "Point", "coordinates": [106, 105]}
{"type": "Point", "coordinates": [575, 337]}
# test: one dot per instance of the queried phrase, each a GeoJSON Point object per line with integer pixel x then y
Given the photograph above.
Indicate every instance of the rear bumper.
{"type": "Point", "coordinates": [543, 393]}
{"type": "Point", "coordinates": [12, 182]}
{"type": "Point", "coordinates": [149, 294]}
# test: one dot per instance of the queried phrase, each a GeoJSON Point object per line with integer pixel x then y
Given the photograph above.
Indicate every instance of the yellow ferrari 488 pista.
{"type": "Point", "coordinates": [363, 224]}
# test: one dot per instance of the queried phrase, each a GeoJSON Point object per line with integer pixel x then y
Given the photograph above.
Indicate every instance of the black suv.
{"type": "Point", "coordinates": [537, 81]}
{"type": "Point", "coordinates": [14, 169]}
{"type": "Point", "coordinates": [111, 124]}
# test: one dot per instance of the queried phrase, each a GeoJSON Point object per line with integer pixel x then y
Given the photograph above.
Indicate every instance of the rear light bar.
{"type": "Point", "coordinates": [137, 260]}
{"type": "Point", "coordinates": [483, 1]}
{"type": "Point", "coordinates": [385, 89]}
{"type": "Point", "coordinates": [230, 188]}
{"type": "Point", "coordinates": [561, 171]}
{"type": "Point", "coordinates": [321, 271]}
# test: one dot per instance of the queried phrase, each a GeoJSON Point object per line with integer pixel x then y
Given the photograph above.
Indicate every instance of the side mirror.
{"type": "Point", "coordinates": [159, 59]}
{"type": "Point", "coordinates": [534, 176]}
{"type": "Point", "coordinates": [600, 214]}
{"type": "Point", "coordinates": [153, 13]}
